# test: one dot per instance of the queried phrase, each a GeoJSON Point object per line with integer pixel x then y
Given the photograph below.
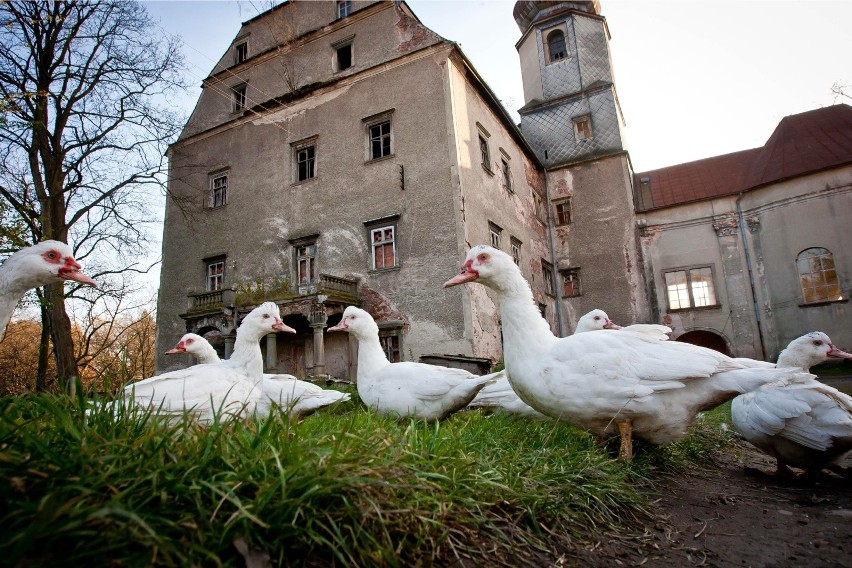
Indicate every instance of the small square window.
{"type": "Point", "coordinates": [218, 190]}
{"type": "Point", "coordinates": [239, 94]}
{"type": "Point", "coordinates": [344, 8]}
{"type": "Point", "coordinates": [380, 139]}
{"type": "Point", "coordinates": [383, 243]}
{"type": "Point", "coordinates": [547, 275]}
{"type": "Point", "coordinates": [582, 127]}
{"type": "Point", "coordinates": [344, 57]}
{"type": "Point", "coordinates": [507, 174]}
{"type": "Point", "coordinates": [496, 233]}
{"type": "Point", "coordinates": [690, 287]}
{"type": "Point", "coordinates": [562, 211]}
{"type": "Point", "coordinates": [305, 162]}
{"type": "Point", "coordinates": [240, 52]}
{"type": "Point", "coordinates": [390, 345]}
{"type": "Point", "coordinates": [484, 154]}
{"type": "Point", "coordinates": [215, 269]}
{"type": "Point", "coordinates": [516, 250]}
{"type": "Point", "coordinates": [571, 283]}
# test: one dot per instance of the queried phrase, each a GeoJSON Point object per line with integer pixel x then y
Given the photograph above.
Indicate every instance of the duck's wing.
{"type": "Point", "coordinates": [812, 415]}
{"type": "Point", "coordinates": [652, 330]}
{"type": "Point", "coordinates": [187, 388]}
{"type": "Point", "coordinates": [638, 359]}
{"type": "Point", "coordinates": [423, 381]}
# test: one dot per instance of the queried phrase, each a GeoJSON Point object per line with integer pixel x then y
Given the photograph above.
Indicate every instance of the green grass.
{"type": "Point", "coordinates": [345, 487]}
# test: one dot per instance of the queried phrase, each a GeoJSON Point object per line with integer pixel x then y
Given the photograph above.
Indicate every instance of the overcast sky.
{"type": "Point", "coordinates": [695, 78]}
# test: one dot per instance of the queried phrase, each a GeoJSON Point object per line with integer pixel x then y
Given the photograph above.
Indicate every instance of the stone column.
{"type": "Point", "coordinates": [318, 323]}
{"type": "Point", "coordinates": [271, 363]}
{"type": "Point", "coordinates": [229, 345]}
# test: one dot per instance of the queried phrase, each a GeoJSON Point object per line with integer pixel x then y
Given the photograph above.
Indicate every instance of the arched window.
{"type": "Point", "coordinates": [818, 276]}
{"type": "Point", "coordinates": [556, 45]}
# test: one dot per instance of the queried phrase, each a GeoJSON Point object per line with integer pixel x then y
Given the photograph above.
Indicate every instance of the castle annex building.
{"type": "Point", "coordinates": [341, 153]}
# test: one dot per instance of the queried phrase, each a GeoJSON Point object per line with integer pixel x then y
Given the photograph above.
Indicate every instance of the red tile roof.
{"type": "Point", "coordinates": [801, 144]}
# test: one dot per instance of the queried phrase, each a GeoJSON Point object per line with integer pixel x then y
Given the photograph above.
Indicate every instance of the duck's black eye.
{"type": "Point", "coordinates": [483, 257]}
{"type": "Point", "coordinates": [817, 342]}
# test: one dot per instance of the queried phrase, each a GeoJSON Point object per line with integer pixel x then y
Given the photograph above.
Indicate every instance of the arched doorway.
{"type": "Point", "coordinates": [214, 336]}
{"type": "Point", "coordinates": [704, 338]}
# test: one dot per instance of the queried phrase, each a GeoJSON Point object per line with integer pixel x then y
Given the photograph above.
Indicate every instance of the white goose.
{"type": "Point", "coordinates": [418, 390]}
{"type": "Point", "coordinates": [293, 396]}
{"type": "Point", "coordinates": [801, 423]}
{"type": "Point", "coordinates": [502, 396]}
{"type": "Point", "coordinates": [47, 262]}
{"type": "Point", "coordinates": [229, 387]}
{"type": "Point", "coordinates": [605, 381]}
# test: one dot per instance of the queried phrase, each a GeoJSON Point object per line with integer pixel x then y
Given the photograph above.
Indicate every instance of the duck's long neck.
{"type": "Point", "coordinates": [789, 358]}
{"type": "Point", "coordinates": [247, 355]}
{"type": "Point", "coordinates": [525, 331]}
{"type": "Point", "coordinates": [207, 355]}
{"type": "Point", "coordinates": [371, 357]}
{"type": "Point", "coordinates": [11, 291]}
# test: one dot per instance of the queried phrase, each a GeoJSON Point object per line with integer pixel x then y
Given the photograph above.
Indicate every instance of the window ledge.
{"type": "Point", "coordinates": [216, 208]}
{"type": "Point", "coordinates": [696, 309]}
{"type": "Point", "coordinates": [304, 181]}
{"type": "Point", "coordinates": [824, 303]}
{"type": "Point", "coordinates": [488, 170]}
{"type": "Point", "coordinates": [382, 159]}
{"type": "Point", "coordinates": [384, 270]}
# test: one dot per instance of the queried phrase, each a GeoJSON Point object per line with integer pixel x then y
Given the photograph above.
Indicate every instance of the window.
{"type": "Point", "coordinates": [562, 211]}
{"type": "Point", "coordinates": [215, 269]}
{"type": "Point", "coordinates": [239, 93]}
{"type": "Point", "coordinates": [484, 155]}
{"type": "Point", "coordinates": [496, 232]}
{"type": "Point", "coordinates": [690, 288]}
{"type": "Point", "coordinates": [507, 173]}
{"type": "Point", "coordinates": [306, 263]}
{"type": "Point", "coordinates": [380, 143]}
{"type": "Point", "coordinates": [582, 127]}
{"type": "Point", "coordinates": [542, 309]}
{"type": "Point", "coordinates": [538, 203]}
{"type": "Point", "coordinates": [516, 250]}
{"type": "Point", "coordinates": [390, 345]}
{"type": "Point", "coordinates": [547, 274]}
{"type": "Point", "coordinates": [241, 52]}
{"type": "Point", "coordinates": [383, 242]}
{"type": "Point", "coordinates": [344, 8]}
{"type": "Point", "coordinates": [219, 190]}
{"type": "Point", "coordinates": [556, 49]}
{"type": "Point", "coordinates": [818, 276]}
{"type": "Point", "coordinates": [344, 56]}
{"type": "Point", "coordinates": [304, 158]}
{"type": "Point", "coordinates": [571, 283]}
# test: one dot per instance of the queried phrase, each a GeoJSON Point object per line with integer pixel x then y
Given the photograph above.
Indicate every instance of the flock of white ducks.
{"type": "Point", "coordinates": [604, 378]}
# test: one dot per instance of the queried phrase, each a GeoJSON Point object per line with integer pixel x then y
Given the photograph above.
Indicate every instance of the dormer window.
{"type": "Point", "coordinates": [241, 52]}
{"type": "Point", "coordinates": [556, 46]}
{"type": "Point", "coordinates": [344, 8]}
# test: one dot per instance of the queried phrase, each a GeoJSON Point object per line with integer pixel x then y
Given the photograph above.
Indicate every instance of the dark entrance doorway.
{"type": "Point", "coordinates": [707, 339]}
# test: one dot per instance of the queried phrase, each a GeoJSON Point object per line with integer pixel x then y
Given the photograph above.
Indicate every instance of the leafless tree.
{"type": "Point", "coordinates": [841, 91]}
{"type": "Point", "coordinates": [84, 125]}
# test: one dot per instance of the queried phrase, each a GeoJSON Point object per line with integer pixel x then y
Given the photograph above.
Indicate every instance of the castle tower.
{"type": "Point", "coordinates": [571, 112]}
{"type": "Point", "coordinates": [573, 123]}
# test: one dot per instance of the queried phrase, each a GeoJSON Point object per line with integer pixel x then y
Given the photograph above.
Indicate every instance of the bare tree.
{"type": "Point", "coordinates": [841, 91]}
{"type": "Point", "coordinates": [84, 125]}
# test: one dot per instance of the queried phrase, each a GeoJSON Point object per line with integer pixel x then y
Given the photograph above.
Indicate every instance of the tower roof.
{"type": "Point", "coordinates": [527, 12]}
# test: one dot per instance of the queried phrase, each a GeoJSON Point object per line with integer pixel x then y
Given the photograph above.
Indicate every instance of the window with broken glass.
{"type": "Point", "coordinates": [383, 244]}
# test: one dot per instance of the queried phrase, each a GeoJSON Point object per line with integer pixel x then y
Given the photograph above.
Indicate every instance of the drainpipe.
{"type": "Point", "coordinates": [556, 289]}
{"type": "Point", "coordinates": [743, 236]}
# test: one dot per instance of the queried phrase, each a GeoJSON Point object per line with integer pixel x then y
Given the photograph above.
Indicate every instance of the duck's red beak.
{"type": "Point", "coordinates": [467, 274]}
{"type": "Point", "coordinates": [179, 348]}
{"type": "Point", "coordinates": [610, 325]}
{"type": "Point", "coordinates": [71, 270]}
{"type": "Point", "coordinates": [838, 354]}
{"type": "Point", "coordinates": [281, 326]}
{"type": "Point", "coordinates": [342, 326]}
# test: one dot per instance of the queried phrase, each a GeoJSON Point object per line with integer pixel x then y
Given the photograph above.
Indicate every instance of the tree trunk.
{"type": "Point", "coordinates": [63, 346]}
{"type": "Point", "coordinates": [43, 382]}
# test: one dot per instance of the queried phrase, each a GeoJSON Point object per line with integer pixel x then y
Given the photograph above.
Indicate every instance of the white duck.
{"type": "Point", "coordinates": [502, 396]}
{"type": "Point", "coordinates": [801, 423]}
{"type": "Point", "coordinates": [603, 380]}
{"type": "Point", "coordinates": [229, 387]}
{"type": "Point", "coordinates": [418, 390]}
{"type": "Point", "coordinates": [293, 396]}
{"type": "Point", "coordinates": [47, 262]}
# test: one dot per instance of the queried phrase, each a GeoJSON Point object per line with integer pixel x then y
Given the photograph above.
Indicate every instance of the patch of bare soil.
{"type": "Point", "coordinates": [723, 516]}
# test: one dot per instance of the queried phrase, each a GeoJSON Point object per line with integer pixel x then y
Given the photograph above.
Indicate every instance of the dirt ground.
{"type": "Point", "coordinates": [724, 516]}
